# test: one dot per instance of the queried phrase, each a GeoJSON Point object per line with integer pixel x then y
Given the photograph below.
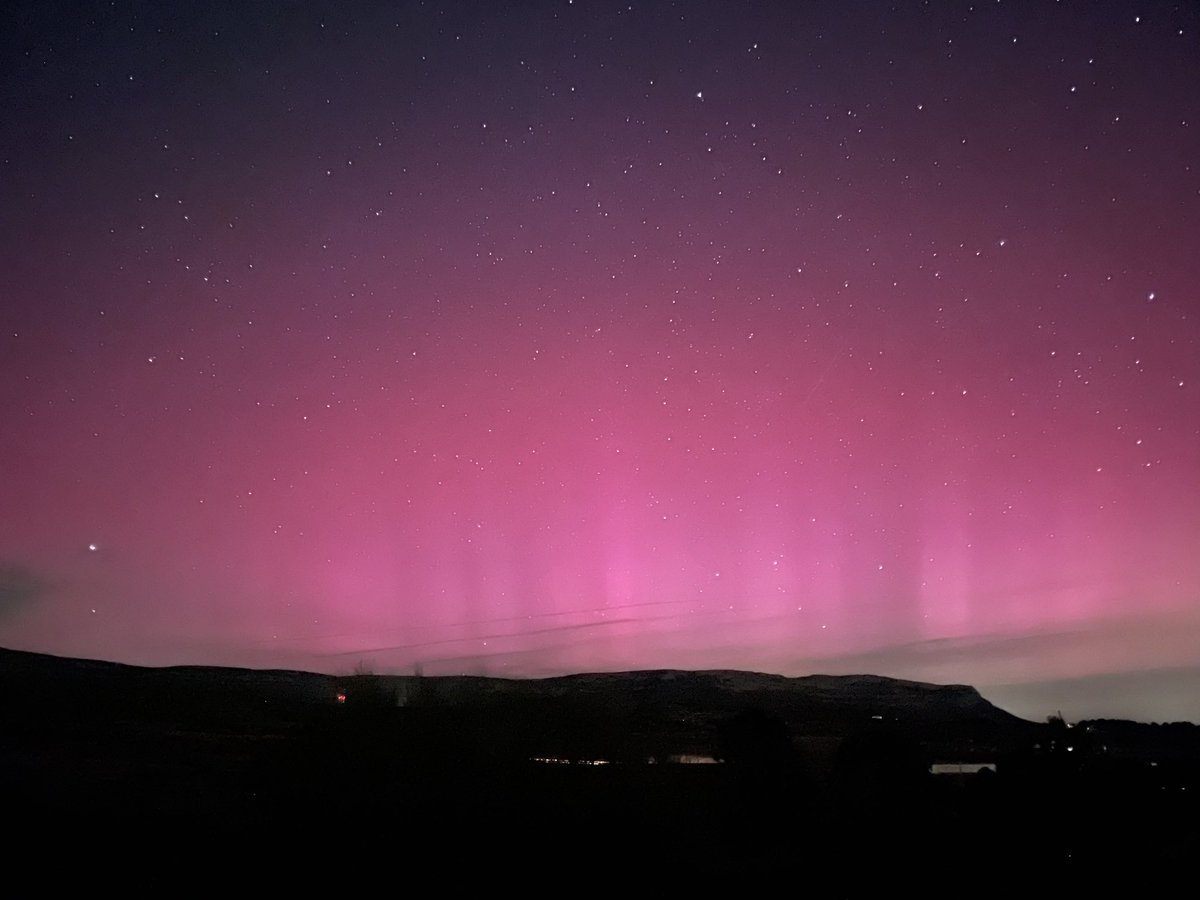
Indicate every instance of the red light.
{"type": "Point", "coordinates": [341, 698]}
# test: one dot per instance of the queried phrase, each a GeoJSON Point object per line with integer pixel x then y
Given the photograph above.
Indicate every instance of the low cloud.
{"type": "Point", "coordinates": [20, 587]}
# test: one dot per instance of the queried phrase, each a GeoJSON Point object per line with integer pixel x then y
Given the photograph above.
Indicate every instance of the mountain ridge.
{"type": "Point", "coordinates": [817, 701]}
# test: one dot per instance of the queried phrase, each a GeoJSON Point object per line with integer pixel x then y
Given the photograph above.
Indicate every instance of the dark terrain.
{"type": "Point", "coordinates": [819, 773]}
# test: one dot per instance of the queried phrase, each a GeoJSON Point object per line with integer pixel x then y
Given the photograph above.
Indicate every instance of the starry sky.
{"type": "Point", "coordinates": [544, 337]}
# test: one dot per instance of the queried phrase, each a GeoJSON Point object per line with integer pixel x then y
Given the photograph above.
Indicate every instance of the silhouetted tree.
{"type": "Point", "coordinates": [366, 690]}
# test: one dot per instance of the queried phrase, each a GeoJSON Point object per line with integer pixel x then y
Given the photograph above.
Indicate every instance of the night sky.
{"type": "Point", "coordinates": [533, 338]}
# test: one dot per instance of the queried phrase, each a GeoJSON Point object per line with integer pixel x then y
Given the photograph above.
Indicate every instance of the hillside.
{"type": "Point", "coordinates": [687, 706]}
{"type": "Point", "coordinates": [218, 760]}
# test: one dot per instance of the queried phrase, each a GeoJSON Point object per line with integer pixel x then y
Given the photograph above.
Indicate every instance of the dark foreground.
{"type": "Point", "coordinates": [453, 786]}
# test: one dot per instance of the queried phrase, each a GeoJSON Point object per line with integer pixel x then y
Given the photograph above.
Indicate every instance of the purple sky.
{"type": "Point", "coordinates": [577, 336]}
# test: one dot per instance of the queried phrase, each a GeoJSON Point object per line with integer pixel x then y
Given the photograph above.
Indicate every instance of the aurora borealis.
{"type": "Point", "coordinates": [547, 337]}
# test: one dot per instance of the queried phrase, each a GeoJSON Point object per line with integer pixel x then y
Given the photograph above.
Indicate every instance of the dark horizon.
{"type": "Point", "coordinates": [1075, 700]}
{"type": "Point", "coordinates": [689, 773]}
